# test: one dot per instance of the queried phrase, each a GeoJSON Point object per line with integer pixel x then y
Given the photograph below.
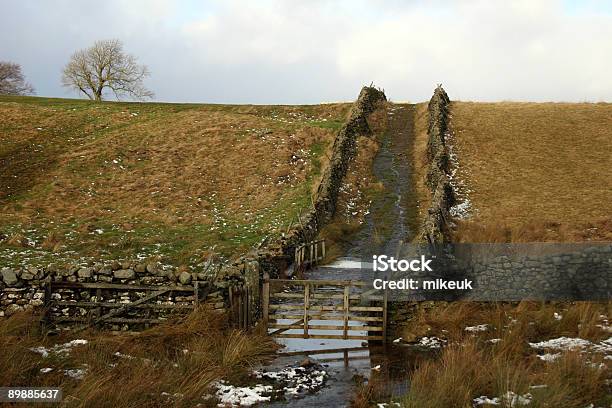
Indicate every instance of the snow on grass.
{"type": "Point", "coordinates": [509, 399]}
{"type": "Point", "coordinates": [59, 348]}
{"type": "Point", "coordinates": [568, 343]}
{"type": "Point", "coordinates": [478, 328]}
{"type": "Point", "coordinates": [290, 382]}
{"type": "Point", "coordinates": [431, 342]}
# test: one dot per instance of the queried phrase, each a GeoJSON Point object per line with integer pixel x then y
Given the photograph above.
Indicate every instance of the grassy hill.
{"type": "Point", "coordinates": [534, 171]}
{"type": "Point", "coordinates": [125, 180]}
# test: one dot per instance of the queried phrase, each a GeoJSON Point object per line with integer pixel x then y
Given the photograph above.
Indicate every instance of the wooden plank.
{"type": "Point", "coordinates": [301, 307]}
{"type": "Point", "coordinates": [77, 285]}
{"type": "Point", "coordinates": [110, 320]}
{"type": "Point", "coordinates": [327, 336]}
{"type": "Point", "coordinates": [323, 327]}
{"type": "Point", "coordinates": [320, 282]}
{"type": "Point", "coordinates": [366, 309]}
{"type": "Point", "coordinates": [322, 351]}
{"type": "Point", "coordinates": [125, 307]}
{"type": "Point", "coordinates": [279, 316]}
{"type": "Point", "coordinates": [285, 295]}
{"type": "Point", "coordinates": [115, 305]}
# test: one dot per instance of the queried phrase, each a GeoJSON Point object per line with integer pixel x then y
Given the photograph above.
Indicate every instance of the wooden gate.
{"type": "Point", "coordinates": [93, 304]}
{"type": "Point", "coordinates": [341, 306]}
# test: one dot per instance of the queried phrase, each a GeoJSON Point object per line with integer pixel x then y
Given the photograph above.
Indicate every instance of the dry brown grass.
{"type": "Point", "coordinates": [198, 175]}
{"type": "Point", "coordinates": [537, 171]}
{"type": "Point", "coordinates": [153, 362]}
{"type": "Point", "coordinates": [470, 366]}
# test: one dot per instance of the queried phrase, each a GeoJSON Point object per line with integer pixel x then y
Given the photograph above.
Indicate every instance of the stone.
{"type": "Point", "coordinates": [152, 268]}
{"type": "Point", "coordinates": [124, 274]}
{"type": "Point", "coordinates": [185, 278]}
{"type": "Point", "coordinates": [9, 277]}
{"type": "Point", "coordinates": [26, 275]}
{"type": "Point", "coordinates": [115, 266]}
{"type": "Point", "coordinates": [85, 272]}
{"type": "Point", "coordinates": [140, 268]}
{"type": "Point", "coordinates": [105, 270]}
{"type": "Point", "coordinates": [306, 363]}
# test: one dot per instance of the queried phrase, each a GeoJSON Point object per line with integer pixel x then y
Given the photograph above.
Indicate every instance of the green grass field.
{"type": "Point", "coordinates": [179, 182]}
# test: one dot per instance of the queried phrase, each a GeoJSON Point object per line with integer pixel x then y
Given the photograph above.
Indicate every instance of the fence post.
{"type": "Point", "coordinates": [266, 299]}
{"type": "Point", "coordinates": [323, 249]}
{"type": "Point", "coordinates": [384, 333]}
{"type": "Point", "coordinates": [346, 310]}
{"type": "Point", "coordinates": [306, 308]}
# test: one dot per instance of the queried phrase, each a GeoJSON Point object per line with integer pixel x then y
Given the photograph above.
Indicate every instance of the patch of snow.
{"type": "Point", "coordinates": [493, 341]}
{"type": "Point", "coordinates": [242, 396]}
{"type": "Point", "coordinates": [557, 316]}
{"type": "Point", "coordinates": [549, 357]}
{"type": "Point", "coordinates": [431, 342]}
{"type": "Point", "coordinates": [76, 373]}
{"type": "Point", "coordinates": [478, 328]}
{"type": "Point", "coordinates": [59, 348]}
{"type": "Point", "coordinates": [562, 343]}
{"type": "Point", "coordinates": [46, 370]}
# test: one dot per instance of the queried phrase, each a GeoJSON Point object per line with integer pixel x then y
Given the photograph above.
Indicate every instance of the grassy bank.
{"type": "Point", "coordinates": [174, 181]}
{"type": "Point", "coordinates": [534, 171]}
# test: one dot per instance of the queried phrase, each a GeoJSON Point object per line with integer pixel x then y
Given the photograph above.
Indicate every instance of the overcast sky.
{"type": "Point", "coordinates": [310, 51]}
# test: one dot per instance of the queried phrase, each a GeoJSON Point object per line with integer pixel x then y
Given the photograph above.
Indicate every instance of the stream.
{"type": "Point", "coordinates": [385, 227]}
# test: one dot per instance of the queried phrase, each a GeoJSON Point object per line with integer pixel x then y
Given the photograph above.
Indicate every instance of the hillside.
{"type": "Point", "coordinates": [117, 180]}
{"type": "Point", "coordinates": [532, 172]}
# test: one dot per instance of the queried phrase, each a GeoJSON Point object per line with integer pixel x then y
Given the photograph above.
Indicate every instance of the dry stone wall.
{"type": "Point", "coordinates": [434, 229]}
{"type": "Point", "coordinates": [23, 288]}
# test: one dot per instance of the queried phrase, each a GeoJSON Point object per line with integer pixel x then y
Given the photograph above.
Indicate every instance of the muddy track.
{"type": "Point", "coordinates": [392, 213]}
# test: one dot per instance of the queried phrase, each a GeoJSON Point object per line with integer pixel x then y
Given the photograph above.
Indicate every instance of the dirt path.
{"type": "Point", "coordinates": [392, 214]}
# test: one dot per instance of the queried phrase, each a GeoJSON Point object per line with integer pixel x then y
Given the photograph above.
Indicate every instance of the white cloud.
{"type": "Point", "coordinates": [292, 51]}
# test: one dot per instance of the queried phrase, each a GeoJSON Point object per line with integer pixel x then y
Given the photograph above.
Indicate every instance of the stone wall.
{"type": "Point", "coordinates": [275, 256]}
{"type": "Point", "coordinates": [434, 228]}
{"type": "Point", "coordinates": [24, 288]}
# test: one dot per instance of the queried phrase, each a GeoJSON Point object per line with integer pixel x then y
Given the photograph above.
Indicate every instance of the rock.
{"type": "Point", "coordinates": [26, 275]}
{"type": "Point", "coordinates": [85, 272]}
{"type": "Point", "coordinates": [306, 363]}
{"type": "Point", "coordinates": [105, 270]}
{"type": "Point", "coordinates": [185, 278]}
{"type": "Point", "coordinates": [152, 268]}
{"type": "Point", "coordinates": [140, 268]}
{"type": "Point", "coordinates": [115, 266]}
{"type": "Point", "coordinates": [126, 265]}
{"type": "Point", "coordinates": [9, 277]}
{"type": "Point", "coordinates": [124, 274]}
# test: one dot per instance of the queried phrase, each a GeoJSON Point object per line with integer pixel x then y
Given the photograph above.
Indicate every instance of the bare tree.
{"type": "Point", "coordinates": [12, 81]}
{"type": "Point", "coordinates": [104, 66]}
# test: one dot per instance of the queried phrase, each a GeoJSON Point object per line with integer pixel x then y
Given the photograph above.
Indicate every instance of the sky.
{"type": "Point", "coordinates": [311, 51]}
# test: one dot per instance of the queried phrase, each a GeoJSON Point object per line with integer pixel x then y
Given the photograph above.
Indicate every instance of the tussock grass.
{"type": "Point", "coordinates": [169, 365]}
{"type": "Point", "coordinates": [537, 171]}
{"type": "Point", "coordinates": [118, 179]}
{"type": "Point", "coordinates": [471, 366]}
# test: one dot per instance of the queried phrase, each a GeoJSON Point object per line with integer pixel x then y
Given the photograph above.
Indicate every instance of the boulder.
{"type": "Point", "coordinates": [85, 273]}
{"type": "Point", "coordinates": [124, 274]}
{"type": "Point", "coordinates": [185, 278]}
{"type": "Point", "coordinates": [140, 268]}
{"type": "Point", "coordinates": [9, 277]}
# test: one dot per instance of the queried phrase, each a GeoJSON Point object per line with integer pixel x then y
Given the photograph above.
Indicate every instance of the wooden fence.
{"type": "Point", "coordinates": [290, 305]}
{"type": "Point", "coordinates": [92, 304]}
{"type": "Point", "coordinates": [309, 253]}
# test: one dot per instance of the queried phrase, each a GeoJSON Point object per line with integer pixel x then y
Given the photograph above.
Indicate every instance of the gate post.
{"type": "Point", "coordinates": [306, 308]}
{"type": "Point", "coordinates": [265, 299]}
